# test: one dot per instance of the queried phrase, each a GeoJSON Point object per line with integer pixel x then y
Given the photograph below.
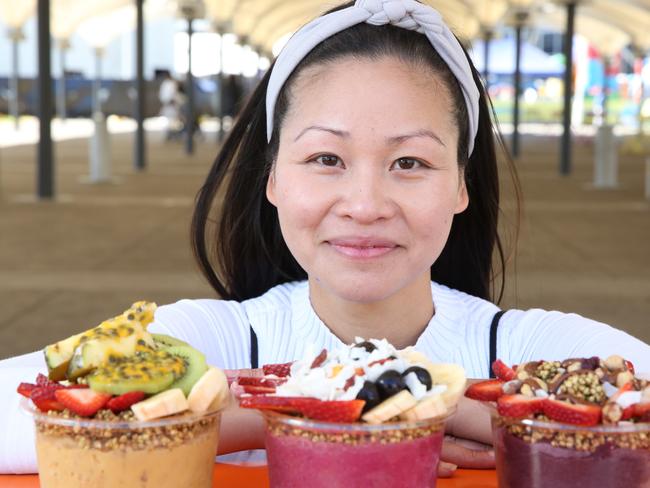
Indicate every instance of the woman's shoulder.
{"type": "Point", "coordinates": [277, 298]}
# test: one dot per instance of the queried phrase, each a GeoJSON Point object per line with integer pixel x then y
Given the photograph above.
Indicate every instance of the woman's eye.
{"type": "Point", "coordinates": [406, 164]}
{"type": "Point", "coordinates": [327, 160]}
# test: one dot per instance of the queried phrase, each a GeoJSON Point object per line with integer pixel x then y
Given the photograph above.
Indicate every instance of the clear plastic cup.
{"type": "Point", "coordinates": [171, 452]}
{"type": "Point", "coordinates": [535, 454]}
{"type": "Point", "coordinates": [303, 452]}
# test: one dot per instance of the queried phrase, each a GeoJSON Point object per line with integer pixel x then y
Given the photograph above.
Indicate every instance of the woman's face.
{"type": "Point", "coordinates": [366, 181]}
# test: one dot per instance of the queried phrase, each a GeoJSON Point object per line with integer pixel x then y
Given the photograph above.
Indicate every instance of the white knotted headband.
{"type": "Point", "coordinates": [408, 14]}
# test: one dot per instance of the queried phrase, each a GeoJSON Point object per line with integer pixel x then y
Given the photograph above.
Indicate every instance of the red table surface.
{"type": "Point", "coordinates": [226, 475]}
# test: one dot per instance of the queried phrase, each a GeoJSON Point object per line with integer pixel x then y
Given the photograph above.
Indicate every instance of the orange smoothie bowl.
{"type": "Point", "coordinates": [303, 452]}
{"type": "Point", "coordinates": [538, 454]}
{"type": "Point", "coordinates": [169, 452]}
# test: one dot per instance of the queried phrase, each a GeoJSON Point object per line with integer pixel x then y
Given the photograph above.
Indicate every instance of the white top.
{"type": "Point", "coordinates": [285, 324]}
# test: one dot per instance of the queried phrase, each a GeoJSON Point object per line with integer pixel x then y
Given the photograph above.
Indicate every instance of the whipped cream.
{"type": "Point", "coordinates": [341, 375]}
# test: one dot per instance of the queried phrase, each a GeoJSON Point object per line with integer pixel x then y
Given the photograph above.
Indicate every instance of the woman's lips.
{"type": "Point", "coordinates": [363, 248]}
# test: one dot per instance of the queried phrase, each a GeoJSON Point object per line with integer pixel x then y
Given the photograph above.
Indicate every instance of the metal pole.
{"type": "Point", "coordinates": [60, 86]}
{"type": "Point", "coordinates": [565, 150]}
{"type": "Point", "coordinates": [606, 63]}
{"type": "Point", "coordinates": [517, 93]}
{"type": "Point", "coordinates": [139, 157]}
{"type": "Point", "coordinates": [45, 176]}
{"type": "Point", "coordinates": [189, 122]}
{"type": "Point", "coordinates": [487, 37]}
{"type": "Point", "coordinates": [97, 82]}
{"type": "Point", "coordinates": [14, 84]}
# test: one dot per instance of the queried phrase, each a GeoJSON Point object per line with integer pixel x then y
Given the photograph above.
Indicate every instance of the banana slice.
{"type": "Point", "coordinates": [211, 390]}
{"type": "Point", "coordinates": [451, 375]}
{"type": "Point", "coordinates": [163, 404]}
{"type": "Point", "coordinates": [391, 407]}
{"type": "Point", "coordinates": [428, 407]}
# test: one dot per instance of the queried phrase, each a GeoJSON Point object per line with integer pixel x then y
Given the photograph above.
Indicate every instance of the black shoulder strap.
{"type": "Point", "coordinates": [493, 339]}
{"type": "Point", "coordinates": [254, 359]}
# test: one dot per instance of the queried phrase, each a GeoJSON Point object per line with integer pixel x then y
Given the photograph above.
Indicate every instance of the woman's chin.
{"type": "Point", "coordinates": [361, 291]}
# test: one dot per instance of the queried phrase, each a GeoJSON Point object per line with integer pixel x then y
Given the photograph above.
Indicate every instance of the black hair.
{"type": "Point", "coordinates": [242, 252]}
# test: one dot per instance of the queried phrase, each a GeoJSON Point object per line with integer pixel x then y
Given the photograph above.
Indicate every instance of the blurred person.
{"type": "Point", "coordinates": [171, 100]}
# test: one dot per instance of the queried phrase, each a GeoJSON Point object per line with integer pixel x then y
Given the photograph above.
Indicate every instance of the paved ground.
{"type": "Point", "coordinates": [65, 265]}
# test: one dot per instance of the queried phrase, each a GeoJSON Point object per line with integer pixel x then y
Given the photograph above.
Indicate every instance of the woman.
{"type": "Point", "coordinates": [358, 196]}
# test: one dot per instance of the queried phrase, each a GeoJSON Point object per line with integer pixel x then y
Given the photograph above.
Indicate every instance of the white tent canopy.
{"type": "Point", "coordinates": [609, 24]}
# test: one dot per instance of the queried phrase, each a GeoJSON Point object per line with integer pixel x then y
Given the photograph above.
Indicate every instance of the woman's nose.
{"type": "Point", "coordinates": [366, 197]}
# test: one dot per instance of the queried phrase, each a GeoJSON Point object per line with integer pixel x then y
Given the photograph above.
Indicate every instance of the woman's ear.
{"type": "Point", "coordinates": [462, 199]}
{"type": "Point", "coordinates": [270, 188]}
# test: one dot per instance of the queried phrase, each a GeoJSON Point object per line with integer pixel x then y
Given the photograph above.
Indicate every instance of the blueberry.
{"type": "Point", "coordinates": [368, 346]}
{"type": "Point", "coordinates": [422, 375]}
{"type": "Point", "coordinates": [390, 383]}
{"type": "Point", "coordinates": [369, 393]}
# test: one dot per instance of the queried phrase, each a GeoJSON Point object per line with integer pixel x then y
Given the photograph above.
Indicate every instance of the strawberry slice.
{"type": "Point", "coordinates": [629, 365]}
{"type": "Point", "coordinates": [25, 389]}
{"type": "Point", "coordinates": [519, 405]}
{"type": "Point", "coordinates": [503, 372]}
{"type": "Point", "coordinates": [255, 381]}
{"type": "Point", "coordinates": [42, 380]}
{"type": "Point", "coordinates": [628, 412]}
{"type": "Point", "coordinates": [119, 403]}
{"type": "Point", "coordinates": [487, 391]}
{"type": "Point", "coordinates": [276, 403]}
{"type": "Point", "coordinates": [334, 410]}
{"type": "Point", "coordinates": [281, 370]}
{"type": "Point", "coordinates": [572, 414]}
{"type": "Point", "coordinates": [320, 359]}
{"type": "Point", "coordinates": [45, 400]}
{"type": "Point", "coordinates": [258, 390]}
{"type": "Point", "coordinates": [641, 411]}
{"type": "Point", "coordinates": [83, 402]}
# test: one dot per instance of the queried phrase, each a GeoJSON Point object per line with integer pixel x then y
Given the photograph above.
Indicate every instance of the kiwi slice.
{"type": "Point", "coordinates": [149, 372]}
{"type": "Point", "coordinates": [195, 366]}
{"type": "Point", "coordinates": [164, 341]}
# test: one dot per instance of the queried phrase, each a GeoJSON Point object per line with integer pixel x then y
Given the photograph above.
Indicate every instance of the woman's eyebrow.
{"type": "Point", "coordinates": [392, 140]}
{"type": "Point", "coordinates": [418, 133]}
{"type": "Point", "coordinates": [336, 132]}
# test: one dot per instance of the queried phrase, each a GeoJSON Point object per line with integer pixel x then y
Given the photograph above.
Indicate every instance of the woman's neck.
{"type": "Point", "coordinates": [400, 318]}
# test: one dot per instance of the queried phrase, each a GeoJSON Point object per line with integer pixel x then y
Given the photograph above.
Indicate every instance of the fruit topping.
{"type": "Point", "coordinates": [391, 407]}
{"type": "Point", "coordinates": [422, 375]}
{"type": "Point", "coordinates": [390, 383]}
{"type": "Point", "coordinates": [281, 370]}
{"type": "Point", "coordinates": [123, 402]}
{"type": "Point", "coordinates": [369, 378]}
{"type": "Point", "coordinates": [195, 367]}
{"type": "Point", "coordinates": [169, 402]}
{"type": "Point", "coordinates": [503, 372]}
{"type": "Point", "coordinates": [130, 323]}
{"type": "Point", "coordinates": [45, 399]}
{"type": "Point", "coordinates": [370, 395]}
{"type": "Point", "coordinates": [210, 391]}
{"type": "Point", "coordinates": [367, 345]}
{"type": "Point", "coordinates": [25, 389]}
{"type": "Point", "coordinates": [320, 359]}
{"type": "Point", "coordinates": [333, 410]}
{"type": "Point", "coordinates": [519, 405]}
{"type": "Point", "coordinates": [163, 341]}
{"type": "Point", "coordinates": [276, 403]}
{"type": "Point", "coordinates": [579, 391]}
{"type": "Point", "coordinates": [487, 391]}
{"type": "Point", "coordinates": [576, 414]}
{"type": "Point", "coordinates": [428, 407]}
{"type": "Point", "coordinates": [82, 401]}
{"type": "Point", "coordinates": [151, 373]}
